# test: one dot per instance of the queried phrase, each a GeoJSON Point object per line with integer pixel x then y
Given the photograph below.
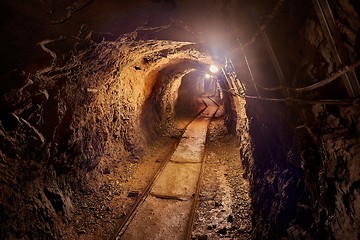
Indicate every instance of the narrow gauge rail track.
{"type": "Point", "coordinates": [197, 193]}
{"type": "Point", "coordinates": [176, 185]}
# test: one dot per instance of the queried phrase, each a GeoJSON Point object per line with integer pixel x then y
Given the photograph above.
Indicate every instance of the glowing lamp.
{"type": "Point", "coordinates": [213, 69]}
{"type": "Point", "coordinates": [207, 75]}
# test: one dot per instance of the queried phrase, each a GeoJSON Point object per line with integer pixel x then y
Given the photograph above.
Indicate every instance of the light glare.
{"type": "Point", "coordinates": [207, 75]}
{"type": "Point", "coordinates": [213, 69]}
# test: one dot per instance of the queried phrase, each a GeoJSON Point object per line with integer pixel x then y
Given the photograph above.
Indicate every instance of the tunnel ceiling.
{"type": "Point", "coordinates": [212, 25]}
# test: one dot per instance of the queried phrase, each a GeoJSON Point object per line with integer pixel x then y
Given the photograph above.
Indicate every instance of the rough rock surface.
{"type": "Point", "coordinates": [75, 92]}
{"type": "Point", "coordinates": [61, 127]}
{"type": "Point", "coordinates": [303, 169]}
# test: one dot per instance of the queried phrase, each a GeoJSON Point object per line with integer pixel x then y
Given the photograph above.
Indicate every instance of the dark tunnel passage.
{"type": "Point", "coordinates": [104, 105]}
{"type": "Point", "coordinates": [192, 87]}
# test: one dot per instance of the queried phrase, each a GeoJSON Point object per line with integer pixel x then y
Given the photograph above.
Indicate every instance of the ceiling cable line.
{"type": "Point", "coordinates": [347, 73]}
{"type": "Point", "coordinates": [328, 80]}
{"type": "Point", "coordinates": [314, 86]}
{"type": "Point", "coordinates": [331, 78]}
{"type": "Point", "coordinates": [351, 101]}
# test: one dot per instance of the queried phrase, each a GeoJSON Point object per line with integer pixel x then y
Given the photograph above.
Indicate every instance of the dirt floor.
{"type": "Point", "coordinates": [101, 214]}
{"type": "Point", "coordinates": [224, 210]}
{"type": "Point", "coordinates": [165, 213]}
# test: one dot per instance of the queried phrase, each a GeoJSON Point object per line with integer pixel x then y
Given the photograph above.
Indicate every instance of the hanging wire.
{"type": "Point", "coordinates": [314, 86]}
{"type": "Point", "coordinates": [329, 79]}
{"type": "Point", "coordinates": [354, 101]}
{"type": "Point", "coordinates": [267, 21]}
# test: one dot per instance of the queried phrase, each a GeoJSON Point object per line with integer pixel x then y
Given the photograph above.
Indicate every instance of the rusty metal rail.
{"type": "Point", "coordinates": [197, 192]}
{"type": "Point", "coordinates": [130, 215]}
{"type": "Point", "coordinates": [146, 192]}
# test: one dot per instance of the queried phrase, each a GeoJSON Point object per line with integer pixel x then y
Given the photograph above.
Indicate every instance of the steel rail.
{"type": "Point", "coordinates": [197, 191]}
{"type": "Point", "coordinates": [131, 214]}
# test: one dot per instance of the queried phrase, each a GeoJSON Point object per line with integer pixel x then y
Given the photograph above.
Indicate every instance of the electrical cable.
{"type": "Point", "coordinates": [350, 101]}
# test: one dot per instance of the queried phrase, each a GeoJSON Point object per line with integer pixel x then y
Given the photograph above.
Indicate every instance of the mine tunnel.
{"type": "Point", "coordinates": [180, 119]}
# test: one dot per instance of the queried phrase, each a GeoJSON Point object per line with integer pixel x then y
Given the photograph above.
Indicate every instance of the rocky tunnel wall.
{"type": "Point", "coordinates": [161, 110]}
{"type": "Point", "coordinates": [64, 125]}
{"type": "Point", "coordinates": [190, 90]}
{"type": "Point", "coordinates": [58, 124]}
{"type": "Point", "coordinates": [305, 154]}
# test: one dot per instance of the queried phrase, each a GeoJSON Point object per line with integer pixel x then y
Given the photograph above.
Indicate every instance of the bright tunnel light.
{"type": "Point", "coordinates": [207, 75]}
{"type": "Point", "coordinates": [213, 69]}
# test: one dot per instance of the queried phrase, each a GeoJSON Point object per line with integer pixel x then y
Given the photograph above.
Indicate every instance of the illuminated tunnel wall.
{"type": "Point", "coordinates": [83, 82]}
